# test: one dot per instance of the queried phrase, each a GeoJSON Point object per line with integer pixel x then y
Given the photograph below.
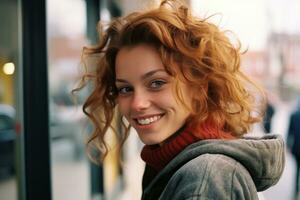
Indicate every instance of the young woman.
{"type": "Point", "coordinates": [176, 80]}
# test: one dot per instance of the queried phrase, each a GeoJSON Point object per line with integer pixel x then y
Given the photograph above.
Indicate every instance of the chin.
{"type": "Point", "coordinates": [149, 141]}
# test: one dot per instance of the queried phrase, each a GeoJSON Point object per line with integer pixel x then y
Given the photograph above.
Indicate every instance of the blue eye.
{"type": "Point", "coordinates": [157, 84]}
{"type": "Point", "coordinates": [124, 90]}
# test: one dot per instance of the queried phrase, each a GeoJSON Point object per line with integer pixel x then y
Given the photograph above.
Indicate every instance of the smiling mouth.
{"type": "Point", "coordinates": [148, 120]}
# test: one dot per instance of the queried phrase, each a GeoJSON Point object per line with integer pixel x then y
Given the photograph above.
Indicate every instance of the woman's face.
{"type": "Point", "coordinates": [146, 94]}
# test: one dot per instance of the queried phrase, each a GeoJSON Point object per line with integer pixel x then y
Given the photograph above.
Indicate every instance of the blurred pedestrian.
{"type": "Point", "coordinates": [176, 79]}
{"type": "Point", "coordinates": [293, 142]}
{"type": "Point", "coordinates": [267, 120]}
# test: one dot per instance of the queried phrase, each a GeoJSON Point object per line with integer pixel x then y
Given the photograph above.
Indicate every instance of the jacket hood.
{"type": "Point", "coordinates": [262, 157]}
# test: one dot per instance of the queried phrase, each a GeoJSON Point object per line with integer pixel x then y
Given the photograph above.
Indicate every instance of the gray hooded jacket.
{"type": "Point", "coordinates": [220, 169]}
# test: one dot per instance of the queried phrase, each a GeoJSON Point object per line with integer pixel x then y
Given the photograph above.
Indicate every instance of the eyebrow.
{"type": "Point", "coordinates": [145, 76]}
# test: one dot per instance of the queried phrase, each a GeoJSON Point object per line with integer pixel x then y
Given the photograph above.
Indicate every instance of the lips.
{"type": "Point", "coordinates": [147, 120]}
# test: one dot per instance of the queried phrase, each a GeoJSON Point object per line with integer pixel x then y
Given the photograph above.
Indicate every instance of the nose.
{"type": "Point", "coordinates": [140, 101]}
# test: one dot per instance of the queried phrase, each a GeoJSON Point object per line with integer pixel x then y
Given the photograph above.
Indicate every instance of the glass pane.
{"type": "Point", "coordinates": [66, 22]}
{"type": "Point", "coordinates": [9, 66]}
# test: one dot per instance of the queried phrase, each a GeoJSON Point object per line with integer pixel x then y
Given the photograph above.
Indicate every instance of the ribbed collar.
{"type": "Point", "coordinates": [159, 156]}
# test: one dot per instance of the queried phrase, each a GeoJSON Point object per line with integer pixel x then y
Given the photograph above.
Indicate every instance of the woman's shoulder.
{"type": "Point", "coordinates": [212, 165]}
{"type": "Point", "coordinates": [213, 176]}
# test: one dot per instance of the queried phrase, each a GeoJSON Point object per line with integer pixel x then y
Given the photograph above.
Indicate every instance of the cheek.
{"type": "Point", "coordinates": [169, 95]}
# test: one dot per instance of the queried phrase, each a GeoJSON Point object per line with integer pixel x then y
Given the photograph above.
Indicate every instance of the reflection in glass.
{"type": "Point", "coordinates": [8, 97]}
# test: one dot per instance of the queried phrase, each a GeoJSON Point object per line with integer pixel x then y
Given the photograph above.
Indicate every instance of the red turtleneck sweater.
{"type": "Point", "coordinates": [159, 156]}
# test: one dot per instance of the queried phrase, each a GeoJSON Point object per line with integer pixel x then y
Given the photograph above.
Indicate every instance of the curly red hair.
{"type": "Point", "coordinates": [193, 51]}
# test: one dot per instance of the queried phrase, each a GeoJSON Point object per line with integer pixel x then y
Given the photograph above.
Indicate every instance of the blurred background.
{"type": "Point", "coordinates": [42, 130]}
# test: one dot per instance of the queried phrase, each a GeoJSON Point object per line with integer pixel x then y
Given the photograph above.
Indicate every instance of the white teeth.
{"type": "Point", "coordinates": [148, 120]}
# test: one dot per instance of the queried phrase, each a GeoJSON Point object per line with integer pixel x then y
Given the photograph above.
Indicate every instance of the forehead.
{"type": "Point", "coordinates": [137, 59]}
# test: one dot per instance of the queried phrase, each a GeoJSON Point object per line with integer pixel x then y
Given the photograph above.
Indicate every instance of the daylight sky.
{"type": "Point", "coordinates": [252, 20]}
